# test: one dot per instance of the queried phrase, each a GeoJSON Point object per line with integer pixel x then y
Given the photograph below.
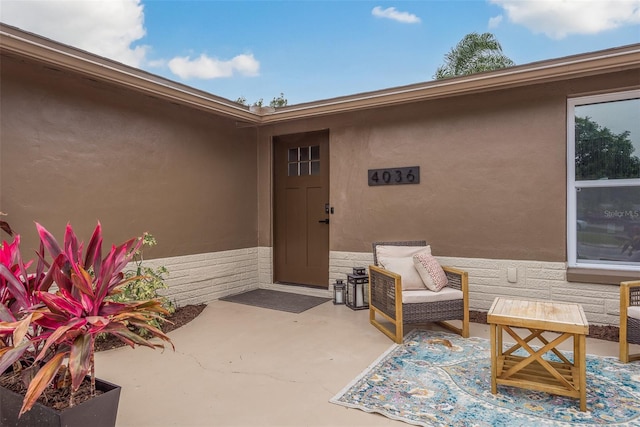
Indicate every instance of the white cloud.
{"type": "Point", "coordinates": [106, 28]}
{"type": "Point", "coordinates": [557, 19]}
{"type": "Point", "coordinates": [392, 13]}
{"type": "Point", "coordinates": [111, 28]}
{"type": "Point", "coordinates": [205, 67]}
{"type": "Point", "coordinates": [495, 21]}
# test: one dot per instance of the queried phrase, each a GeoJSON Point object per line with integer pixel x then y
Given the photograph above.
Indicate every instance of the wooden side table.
{"type": "Point", "coordinates": [565, 378]}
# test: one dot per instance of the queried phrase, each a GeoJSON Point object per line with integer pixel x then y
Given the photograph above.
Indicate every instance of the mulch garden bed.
{"type": "Point", "coordinates": [180, 317]}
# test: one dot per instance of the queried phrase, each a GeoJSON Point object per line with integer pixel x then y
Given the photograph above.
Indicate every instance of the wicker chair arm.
{"type": "Point", "coordinates": [385, 290]}
{"type": "Point", "coordinates": [384, 278]}
{"type": "Point", "coordinates": [458, 279]}
{"type": "Point", "coordinates": [632, 289]}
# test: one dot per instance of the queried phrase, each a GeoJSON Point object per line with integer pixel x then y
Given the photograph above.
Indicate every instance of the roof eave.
{"type": "Point", "coordinates": [43, 50]}
{"type": "Point", "coordinates": [618, 59]}
{"type": "Point", "coordinates": [31, 46]}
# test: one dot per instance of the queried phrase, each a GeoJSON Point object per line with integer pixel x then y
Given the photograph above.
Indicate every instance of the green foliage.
{"type": "Point", "coordinates": [278, 101]}
{"type": "Point", "coordinates": [601, 153]}
{"type": "Point", "coordinates": [598, 238]}
{"type": "Point", "coordinates": [145, 282]}
{"type": "Point", "coordinates": [475, 53]}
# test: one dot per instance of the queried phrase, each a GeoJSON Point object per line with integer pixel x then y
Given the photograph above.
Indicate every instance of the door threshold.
{"type": "Point", "coordinates": [299, 288]}
{"type": "Point", "coordinates": [301, 285]}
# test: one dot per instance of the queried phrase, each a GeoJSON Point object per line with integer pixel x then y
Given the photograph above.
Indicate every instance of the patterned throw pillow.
{"type": "Point", "coordinates": [430, 271]}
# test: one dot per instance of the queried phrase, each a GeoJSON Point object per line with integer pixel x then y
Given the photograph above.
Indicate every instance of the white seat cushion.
{"type": "Point", "coordinates": [446, 294]}
{"type": "Point", "coordinates": [634, 311]}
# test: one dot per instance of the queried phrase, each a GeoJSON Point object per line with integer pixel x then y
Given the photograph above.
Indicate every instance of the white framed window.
{"type": "Point", "coordinates": [603, 181]}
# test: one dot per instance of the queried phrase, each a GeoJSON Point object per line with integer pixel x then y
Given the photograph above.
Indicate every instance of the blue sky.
{"type": "Point", "coordinates": [312, 50]}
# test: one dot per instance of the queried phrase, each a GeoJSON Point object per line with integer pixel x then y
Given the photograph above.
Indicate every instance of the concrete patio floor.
{"type": "Point", "coordinates": [237, 365]}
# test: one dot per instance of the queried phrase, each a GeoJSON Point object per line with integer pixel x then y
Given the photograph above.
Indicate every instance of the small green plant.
{"type": "Point", "coordinates": [277, 101]}
{"type": "Point", "coordinates": [145, 282]}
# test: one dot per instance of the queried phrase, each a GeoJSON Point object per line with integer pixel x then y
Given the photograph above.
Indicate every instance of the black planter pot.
{"type": "Point", "coordinates": [100, 411]}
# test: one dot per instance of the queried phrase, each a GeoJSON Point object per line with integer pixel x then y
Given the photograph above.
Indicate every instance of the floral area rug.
{"type": "Point", "coordinates": [440, 379]}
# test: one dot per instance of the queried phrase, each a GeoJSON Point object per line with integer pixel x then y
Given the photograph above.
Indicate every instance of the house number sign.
{"type": "Point", "coordinates": [394, 176]}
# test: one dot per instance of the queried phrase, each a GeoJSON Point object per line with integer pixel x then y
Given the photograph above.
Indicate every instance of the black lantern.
{"type": "Point", "coordinates": [339, 292]}
{"type": "Point", "coordinates": [358, 289]}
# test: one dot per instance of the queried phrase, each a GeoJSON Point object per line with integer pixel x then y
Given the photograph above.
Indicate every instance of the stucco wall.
{"type": "Point", "coordinates": [482, 180]}
{"type": "Point", "coordinates": [74, 150]}
{"type": "Point", "coordinates": [493, 171]}
{"type": "Point", "coordinates": [492, 193]}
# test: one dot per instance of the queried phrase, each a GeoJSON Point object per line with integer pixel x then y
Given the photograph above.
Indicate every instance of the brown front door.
{"type": "Point", "coordinates": [301, 229]}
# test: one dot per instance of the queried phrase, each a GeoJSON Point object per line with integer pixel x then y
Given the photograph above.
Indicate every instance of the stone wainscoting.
{"type": "Point", "coordinates": [489, 278]}
{"type": "Point", "coordinates": [200, 278]}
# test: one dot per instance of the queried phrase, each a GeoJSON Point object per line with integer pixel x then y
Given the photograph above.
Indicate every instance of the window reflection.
{"type": "Point", "coordinates": [608, 224]}
{"type": "Point", "coordinates": [607, 138]}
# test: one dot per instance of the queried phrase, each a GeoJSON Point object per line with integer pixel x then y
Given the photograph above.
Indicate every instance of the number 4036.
{"type": "Point", "coordinates": [394, 176]}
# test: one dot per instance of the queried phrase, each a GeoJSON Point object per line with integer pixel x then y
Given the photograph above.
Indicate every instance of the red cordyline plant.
{"type": "Point", "coordinates": [17, 294]}
{"type": "Point", "coordinates": [57, 327]}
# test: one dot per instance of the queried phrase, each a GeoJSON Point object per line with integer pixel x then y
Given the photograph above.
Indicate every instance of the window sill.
{"type": "Point", "coordinates": [605, 277]}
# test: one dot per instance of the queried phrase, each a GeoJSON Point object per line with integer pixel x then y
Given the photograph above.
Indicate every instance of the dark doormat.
{"type": "Point", "coordinates": [277, 300]}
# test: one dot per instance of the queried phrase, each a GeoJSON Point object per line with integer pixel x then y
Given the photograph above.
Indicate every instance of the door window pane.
{"type": "Point", "coordinates": [304, 168]}
{"type": "Point", "coordinates": [303, 161]}
{"type": "Point", "coordinates": [315, 152]}
{"type": "Point", "coordinates": [315, 168]}
{"type": "Point", "coordinates": [293, 154]}
{"type": "Point", "coordinates": [304, 154]}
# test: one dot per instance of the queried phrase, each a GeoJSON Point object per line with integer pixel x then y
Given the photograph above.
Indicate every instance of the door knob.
{"type": "Point", "coordinates": [324, 221]}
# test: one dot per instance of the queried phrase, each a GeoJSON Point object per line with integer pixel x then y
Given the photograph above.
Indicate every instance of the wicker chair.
{"type": "Point", "coordinates": [629, 319]}
{"type": "Point", "coordinates": [385, 299]}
